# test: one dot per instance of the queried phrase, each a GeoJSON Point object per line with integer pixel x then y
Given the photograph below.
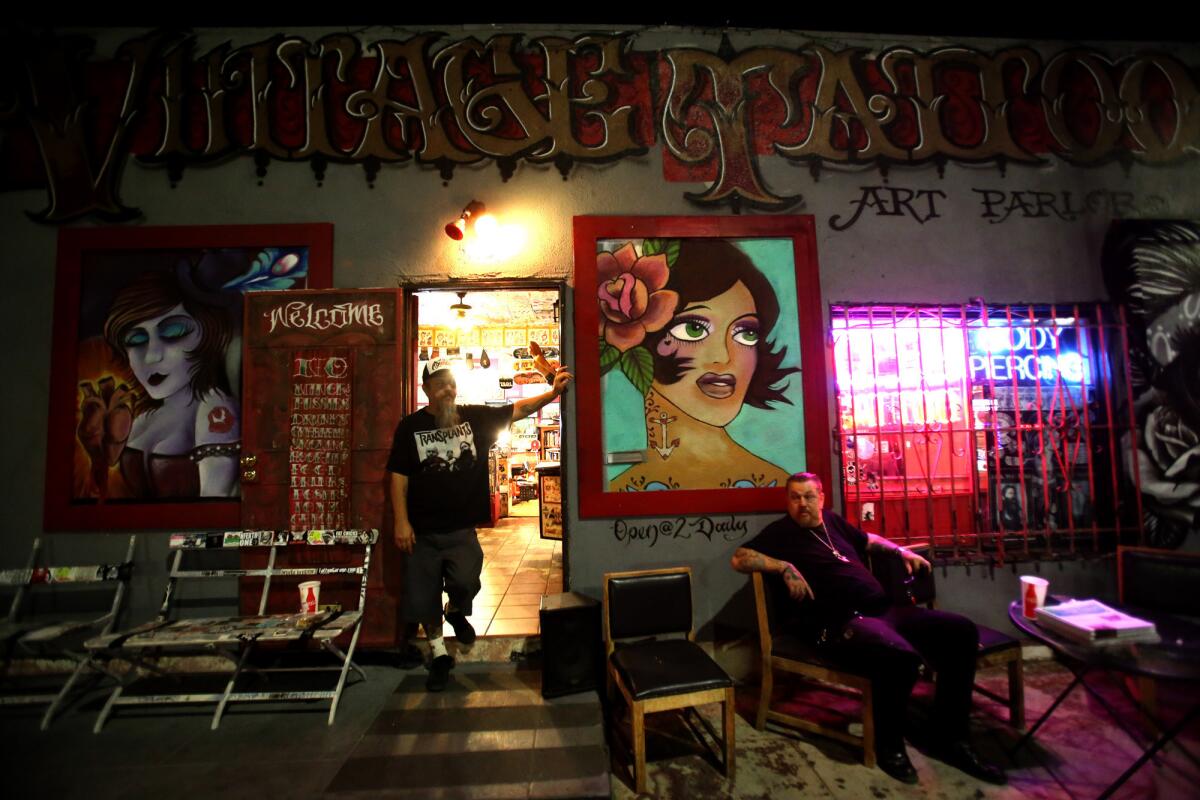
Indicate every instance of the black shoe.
{"type": "Point", "coordinates": [896, 763]}
{"type": "Point", "coordinates": [463, 630]}
{"type": "Point", "coordinates": [439, 673]}
{"type": "Point", "coordinates": [962, 756]}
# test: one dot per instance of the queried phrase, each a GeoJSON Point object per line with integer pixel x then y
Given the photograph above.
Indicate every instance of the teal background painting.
{"type": "Point", "coordinates": [776, 435]}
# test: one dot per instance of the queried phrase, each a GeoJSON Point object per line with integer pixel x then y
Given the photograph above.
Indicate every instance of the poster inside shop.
{"type": "Point", "coordinates": [551, 504]}
{"type": "Point", "coordinates": [320, 438]}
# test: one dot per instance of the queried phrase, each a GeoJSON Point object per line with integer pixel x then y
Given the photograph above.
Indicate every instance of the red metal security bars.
{"type": "Point", "coordinates": [989, 432]}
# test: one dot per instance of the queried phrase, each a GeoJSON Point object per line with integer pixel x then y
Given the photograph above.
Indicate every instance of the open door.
{"type": "Point", "coordinates": [323, 373]}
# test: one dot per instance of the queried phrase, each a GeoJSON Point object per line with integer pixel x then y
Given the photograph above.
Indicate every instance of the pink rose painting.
{"type": "Point", "coordinates": [633, 303]}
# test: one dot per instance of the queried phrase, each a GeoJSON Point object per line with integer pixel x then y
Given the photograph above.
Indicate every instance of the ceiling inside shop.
{"type": "Point", "coordinates": [489, 307]}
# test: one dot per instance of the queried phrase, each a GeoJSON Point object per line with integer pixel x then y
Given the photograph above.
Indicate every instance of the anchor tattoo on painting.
{"type": "Point", "coordinates": [657, 422]}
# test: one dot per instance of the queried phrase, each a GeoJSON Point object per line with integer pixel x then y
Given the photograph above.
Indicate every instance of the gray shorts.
{"type": "Point", "coordinates": [452, 560]}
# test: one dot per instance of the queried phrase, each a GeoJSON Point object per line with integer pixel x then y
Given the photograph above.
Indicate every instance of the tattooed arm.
{"type": "Point", "coordinates": [876, 544]}
{"type": "Point", "coordinates": [747, 561]}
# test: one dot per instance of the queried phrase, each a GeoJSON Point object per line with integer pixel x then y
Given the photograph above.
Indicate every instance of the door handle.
{"type": "Point", "coordinates": [249, 475]}
{"type": "Point", "coordinates": [249, 461]}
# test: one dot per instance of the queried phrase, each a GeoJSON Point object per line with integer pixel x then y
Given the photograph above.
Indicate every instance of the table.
{"type": "Point", "coordinates": [1175, 658]}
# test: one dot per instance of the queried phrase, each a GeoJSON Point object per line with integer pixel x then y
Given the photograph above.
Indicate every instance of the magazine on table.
{"type": "Point", "coordinates": [1093, 622]}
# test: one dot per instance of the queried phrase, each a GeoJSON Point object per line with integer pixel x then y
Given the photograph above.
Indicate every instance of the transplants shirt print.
{"type": "Point", "coordinates": [447, 467]}
{"type": "Point", "coordinates": [447, 449]}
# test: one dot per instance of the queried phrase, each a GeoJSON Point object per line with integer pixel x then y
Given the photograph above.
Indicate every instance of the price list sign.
{"type": "Point", "coordinates": [319, 450]}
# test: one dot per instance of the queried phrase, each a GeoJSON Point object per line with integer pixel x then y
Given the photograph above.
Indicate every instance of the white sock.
{"type": "Point", "coordinates": [437, 644]}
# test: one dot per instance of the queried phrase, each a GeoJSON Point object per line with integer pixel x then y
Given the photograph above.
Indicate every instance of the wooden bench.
{"type": "Point", "coordinates": [237, 637]}
{"type": "Point", "coordinates": [24, 635]}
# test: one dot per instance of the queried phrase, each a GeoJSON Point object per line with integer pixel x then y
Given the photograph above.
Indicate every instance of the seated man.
{"type": "Point", "coordinates": [820, 559]}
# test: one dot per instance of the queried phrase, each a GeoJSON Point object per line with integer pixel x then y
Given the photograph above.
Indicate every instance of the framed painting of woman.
{"type": "Point", "coordinates": [145, 386]}
{"type": "Point", "coordinates": [700, 363]}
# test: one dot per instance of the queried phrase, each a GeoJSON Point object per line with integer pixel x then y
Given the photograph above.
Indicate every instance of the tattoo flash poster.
{"type": "Point", "coordinates": [320, 439]}
{"type": "Point", "coordinates": [700, 363]}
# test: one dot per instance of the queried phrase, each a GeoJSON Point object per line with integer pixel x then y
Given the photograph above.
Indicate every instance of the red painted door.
{"type": "Point", "coordinates": [323, 373]}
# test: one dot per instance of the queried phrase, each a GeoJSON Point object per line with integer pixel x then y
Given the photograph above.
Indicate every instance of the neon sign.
{"type": "Point", "coordinates": [1030, 354]}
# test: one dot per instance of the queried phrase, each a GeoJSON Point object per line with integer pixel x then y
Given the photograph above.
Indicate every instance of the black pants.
{"type": "Point", "coordinates": [889, 649]}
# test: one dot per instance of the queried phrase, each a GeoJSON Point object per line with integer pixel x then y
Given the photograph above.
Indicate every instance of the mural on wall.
{"type": "Point", "coordinates": [1153, 267]}
{"type": "Point", "coordinates": [696, 336]}
{"type": "Point", "coordinates": [703, 380]}
{"type": "Point", "coordinates": [70, 122]}
{"type": "Point", "coordinates": [146, 406]}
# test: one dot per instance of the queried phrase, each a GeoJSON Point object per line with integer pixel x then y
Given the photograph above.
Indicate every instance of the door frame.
{"type": "Point", "coordinates": [410, 382]}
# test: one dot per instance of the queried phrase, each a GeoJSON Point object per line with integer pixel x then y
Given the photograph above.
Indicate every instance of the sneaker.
{"type": "Point", "coordinates": [439, 673]}
{"type": "Point", "coordinates": [463, 630]}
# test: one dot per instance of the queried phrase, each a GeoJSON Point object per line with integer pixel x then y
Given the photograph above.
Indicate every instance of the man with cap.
{"type": "Point", "coordinates": [439, 493]}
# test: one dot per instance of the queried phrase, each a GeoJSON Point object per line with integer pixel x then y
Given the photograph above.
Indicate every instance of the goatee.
{"type": "Point", "coordinates": [446, 416]}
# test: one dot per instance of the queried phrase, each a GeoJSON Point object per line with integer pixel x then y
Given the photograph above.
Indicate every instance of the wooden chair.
{"type": "Point", "coordinates": [785, 652]}
{"type": "Point", "coordinates": [788, 653]}
{"type": "Point", "coordinates": [661, 674]}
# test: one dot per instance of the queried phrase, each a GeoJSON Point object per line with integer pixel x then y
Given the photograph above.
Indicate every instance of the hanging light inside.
{"type": "Point", "coordinates": [460, 310]}
{"type": "Point", "coordinates": [457, 229]}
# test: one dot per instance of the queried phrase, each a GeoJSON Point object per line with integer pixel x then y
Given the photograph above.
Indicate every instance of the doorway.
{"type": "Point", "coordinates": [490, 335]}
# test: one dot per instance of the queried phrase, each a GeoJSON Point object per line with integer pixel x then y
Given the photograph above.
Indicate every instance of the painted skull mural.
{"type": "Point", "coordinates": [1153, 267]}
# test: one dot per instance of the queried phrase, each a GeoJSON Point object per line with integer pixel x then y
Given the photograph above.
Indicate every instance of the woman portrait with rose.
{"type": "Point", "coordinates": [692, 324]}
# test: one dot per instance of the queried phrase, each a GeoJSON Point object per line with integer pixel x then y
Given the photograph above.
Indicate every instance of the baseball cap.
{"type": "Point", "coordinates": [433, 368]}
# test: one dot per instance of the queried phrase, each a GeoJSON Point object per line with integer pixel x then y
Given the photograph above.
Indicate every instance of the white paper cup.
{"type": "Point", "coordinates": [1033, 594]}
{"type": "Point", "coordinates": [310, 597]}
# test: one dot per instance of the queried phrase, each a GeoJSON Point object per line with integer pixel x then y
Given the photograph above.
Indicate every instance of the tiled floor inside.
{"type": "Point", "coordinates": [519, 567]}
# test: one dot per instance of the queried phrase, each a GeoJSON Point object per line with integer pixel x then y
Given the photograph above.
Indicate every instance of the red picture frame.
{"type": "Point", "coordinates": [76, 248]}
{"type": "Point", "coordinates": [594, 499]}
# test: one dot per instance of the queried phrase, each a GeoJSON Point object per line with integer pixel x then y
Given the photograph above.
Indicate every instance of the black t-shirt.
{"type": "Point", "coordinates": [447, 467]}
{"type": "Point", "coordinates": [840, 588]}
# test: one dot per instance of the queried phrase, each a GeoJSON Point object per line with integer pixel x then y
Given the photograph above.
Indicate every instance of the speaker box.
{"type": "Point", "coordinates": [572, 645]}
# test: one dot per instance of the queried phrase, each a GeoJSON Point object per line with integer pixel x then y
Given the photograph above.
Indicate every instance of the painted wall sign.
{"type": "Point", "coordinates": [550, 100]}
{"type": "Point", "coordinates": [892, 201]}
{"type": "Point", "coordinates": [997, 205]}
{"type": "Point", "coordinates": [299, 314]}
{"type": "Point", "coordinates": [651, 532]}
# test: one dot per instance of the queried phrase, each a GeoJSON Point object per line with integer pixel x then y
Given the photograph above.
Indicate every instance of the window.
{"type": "Point", "coordinates": [990, 432]}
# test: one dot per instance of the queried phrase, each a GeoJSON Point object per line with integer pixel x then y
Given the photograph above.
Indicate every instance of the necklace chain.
{"type": "Point", "coordinates": [828, 542]}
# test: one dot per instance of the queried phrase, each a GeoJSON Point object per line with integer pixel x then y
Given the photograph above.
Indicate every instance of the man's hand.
{"type": "Point", "coordinates": [561, 378]}
{"type": "Point", "coordinates": [404, 536]}
{"type": "Point", "coordinates": [797, 587]}
{"type": "Point", "coordinates": [913, 562]}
